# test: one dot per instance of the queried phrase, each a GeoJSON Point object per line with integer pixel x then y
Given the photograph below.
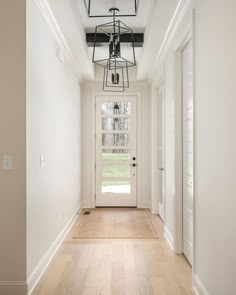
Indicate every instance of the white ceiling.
{"type": "Point", "coordinates": [137, 23]}
{"type": "Point", "coordinates": [154, 19]}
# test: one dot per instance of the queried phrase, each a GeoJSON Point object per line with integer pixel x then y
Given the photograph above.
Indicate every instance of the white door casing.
{"type": "Point", "coordinates": [116, 154]}
{"type": "Point", "coordinates": [161, 150]}
{"type": "Point", "coordinates": [187, 125]}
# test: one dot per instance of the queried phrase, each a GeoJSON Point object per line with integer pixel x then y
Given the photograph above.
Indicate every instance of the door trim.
{"type": "Point", "coordinates": [186, 36]}
{"type": "Point", "coordinates": [118, 199]}
{"type": "Point", "coordinates": [139, 144]}
{"type": "Point", "coordinates": [155, 164]}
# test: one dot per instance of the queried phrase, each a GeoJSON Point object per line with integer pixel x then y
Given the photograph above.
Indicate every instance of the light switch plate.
{"type": "Point", "coordinates": [7, 162]}
{"type": "Point", "coordinates": [41, 160]}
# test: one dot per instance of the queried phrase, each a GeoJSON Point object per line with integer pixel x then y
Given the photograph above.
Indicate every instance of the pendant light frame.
{"type": "Point", "coordinates": [114, 29]}
{"type": "Point", "coordinates": [123, 80]}
{"type": "Point", "coordinates": [89, 4]}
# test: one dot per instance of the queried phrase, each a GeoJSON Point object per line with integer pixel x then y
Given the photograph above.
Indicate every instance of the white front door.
{"type": "Point", "coordinates": [187, 65]}
{"type": "Point", "coordinates": [160, 151]}
{"type": "Point", "coordinates": [116, 156]}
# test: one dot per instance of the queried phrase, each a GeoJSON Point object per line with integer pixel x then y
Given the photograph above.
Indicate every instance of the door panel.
{"type": "Point", "coordinates": [187, 60]}
{"type": "Point", "coordinates": [160, 151]}
{"type": "Point", "coordinates": [116, 157]}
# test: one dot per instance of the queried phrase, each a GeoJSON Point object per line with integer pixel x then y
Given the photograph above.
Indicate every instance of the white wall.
{"type": "Point", "coordinates": [215, 142]}
{"type": "Point", "coordinates": [53, 130]}
{"type": "Point", "coordinates": [215, 160]}
{"type": "Point", "coordinates": [89, 89]}
{"type": "Point", "coordinates": [158, 64]}
{"type": "Point", "coordinates": [13, 143]}
{"type": "Point", "coordinates": [68, 18]}
{"type": "Point", "coordinates": [165, 73]}
{"type": "Point", "coordinates": [155, 32]}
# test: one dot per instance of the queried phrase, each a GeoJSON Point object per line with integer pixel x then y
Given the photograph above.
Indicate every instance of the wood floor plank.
{"type": "Point", "coordinates": [117, 266]}
{"type": "Point", "coordinates": [142, 270]}
{"type": "Point", "coordinates": [119, 223]}
{"type": "Point", "coordinates": [105, 273]}
{"type": "Point", "coordinates": [118, 276]}
{"type": "Point", "coordinates": [131, 283]}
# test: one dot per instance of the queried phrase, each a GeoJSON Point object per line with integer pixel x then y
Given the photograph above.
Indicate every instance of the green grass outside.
{"type": "Point", "coordinates": [116, 170]}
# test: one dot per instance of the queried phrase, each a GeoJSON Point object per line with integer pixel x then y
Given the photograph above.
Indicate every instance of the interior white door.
{"type": "Point", "coordinates": [161, 151]}
{"type": "Point", "coordinates": [116, 157]}
{"type": "Point", "coordinates": [187, 79]}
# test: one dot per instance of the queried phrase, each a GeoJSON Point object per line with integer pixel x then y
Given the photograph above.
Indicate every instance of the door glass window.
{"type": "Point", "coordinates": [116, 108]}
{"type": "Point", "coordinates": [115, 156]}
{"type": "Point", "coordinates": [110, 124]}
{"type": "Point", "coordinates": [115, 139]}
{"type": "Point", "coordinates": [116, 187]}
{"type": "Point", "coordinates": [116, 170]}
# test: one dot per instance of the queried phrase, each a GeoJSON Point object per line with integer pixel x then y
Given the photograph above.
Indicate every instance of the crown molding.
{"type": "Point", "coordinates": [53, 25]}
{"type": "Point", "coordinates": [180, 13]}
{"type": "Point", "coordinates": [50, 19]}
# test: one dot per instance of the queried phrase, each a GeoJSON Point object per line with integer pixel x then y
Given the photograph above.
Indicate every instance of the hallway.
{"type": "Point", "coordinates": [115, 266]}
{"type": "Point", "coordinates": [107, 106]}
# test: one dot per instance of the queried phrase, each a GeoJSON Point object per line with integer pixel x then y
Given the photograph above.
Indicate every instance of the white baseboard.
{"type": "Point", "coordinates": [87, 205]}
{"type": "Point", "coordinates": [198, 287]}
{"type": "Point", "coordinates": [79, 211]}
{"type": "Point", "coordinates": [48, 256]}
{"type": "Point", "coordinates": [155, 212]}
{"type": "Point", "coordinates": [168, 236]}
{"type": "Point", "coordinates": [145, 205]}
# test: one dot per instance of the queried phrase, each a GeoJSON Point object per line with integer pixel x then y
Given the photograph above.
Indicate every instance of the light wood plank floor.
{"type": "Point", "coordinates": [115, 223]}
{"type": "Point", "coordinates": [116, 266]}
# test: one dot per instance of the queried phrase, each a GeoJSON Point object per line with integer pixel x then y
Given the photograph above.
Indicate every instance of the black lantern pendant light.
{"type": "Point", "coordinates": [115, 57]}
{"type": "Point", "coordinates": [116, 80]}
{"type": "Point", "coordinates": [127, 7]}
{"type": "Point", "coordinates": [114, 54]}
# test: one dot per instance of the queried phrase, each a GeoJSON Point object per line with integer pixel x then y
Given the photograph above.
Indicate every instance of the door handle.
{"type": "Point", "coordinates": [162, 169]}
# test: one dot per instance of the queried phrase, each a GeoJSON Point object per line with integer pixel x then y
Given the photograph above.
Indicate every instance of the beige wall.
{"type": "Point", "coordinates": [13, 143]}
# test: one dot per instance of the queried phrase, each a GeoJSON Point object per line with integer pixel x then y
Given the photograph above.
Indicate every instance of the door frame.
{"type": "Point", "coordinates": [186, 36]}
{"type": "Point", "coordinates": [155, 164]}
{"type": "Point", "coordinates": [119, 199]}
{"type": "Point", "coordinates": [138, 142]}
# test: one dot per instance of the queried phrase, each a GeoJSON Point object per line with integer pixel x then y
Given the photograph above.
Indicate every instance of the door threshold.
{"type": "Point", "coordinates": [114, 207]}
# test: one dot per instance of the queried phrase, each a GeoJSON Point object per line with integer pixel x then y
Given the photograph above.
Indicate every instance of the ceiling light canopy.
{"type": "Point", "coordinates": [126, 7]}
